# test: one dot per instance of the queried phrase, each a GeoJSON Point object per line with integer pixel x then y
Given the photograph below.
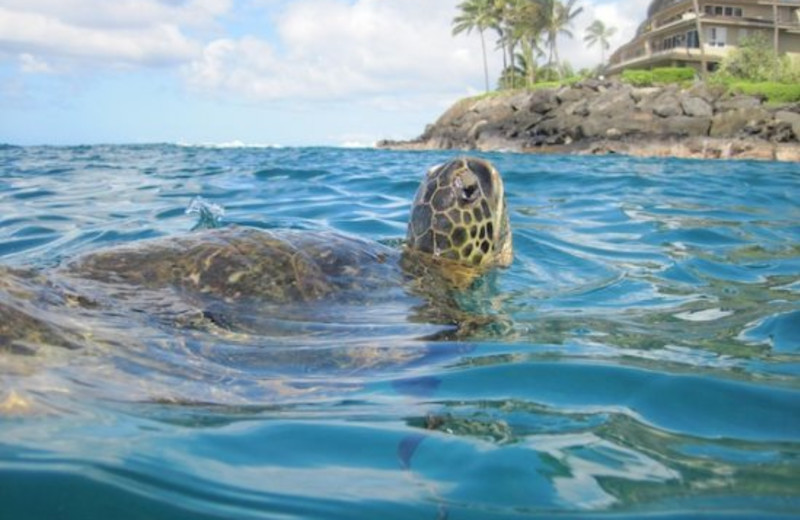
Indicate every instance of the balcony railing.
{"type": "Point", "coordinates": [781, 3]}
{"type": "Point", "coordinates": [712, 52]}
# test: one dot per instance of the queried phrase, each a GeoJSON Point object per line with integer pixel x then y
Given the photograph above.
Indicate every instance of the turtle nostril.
{"type": "Point", "coordinates": [468, 193]}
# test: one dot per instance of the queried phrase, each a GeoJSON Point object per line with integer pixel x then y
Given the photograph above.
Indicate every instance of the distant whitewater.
{"type": "Point", "coordinates": [229, 144]}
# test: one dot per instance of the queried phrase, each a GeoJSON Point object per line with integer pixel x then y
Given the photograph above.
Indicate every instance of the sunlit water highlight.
{"type": "Point", "coordinates": [642, 356]}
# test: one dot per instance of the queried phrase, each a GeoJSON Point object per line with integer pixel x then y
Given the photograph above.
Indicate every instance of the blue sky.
{"type": "Point", "coordinates": [287, 72]}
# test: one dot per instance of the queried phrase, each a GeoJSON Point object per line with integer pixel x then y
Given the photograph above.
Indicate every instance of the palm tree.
{"type": "Point", "coordinates": [526, 25]}
{"type": "Point", "coordinates": [558, 17]}
{"type": "Point", "coordinates": [598, 33]}
{"type": "Point", "coordinates": [503, 15]}
{"type": "Point", "coordinates": [510, 77]}
{"type": "Point", "coordinates": [480, 15]}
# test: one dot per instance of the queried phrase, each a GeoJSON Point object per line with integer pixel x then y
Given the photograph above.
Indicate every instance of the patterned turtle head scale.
{"type": "Point", "coordinates": [459, 214]}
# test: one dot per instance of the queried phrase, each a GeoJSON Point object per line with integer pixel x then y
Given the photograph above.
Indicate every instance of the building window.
{"type": "Point", "coordinates": [717, 36]}
{"type": "Point", "coordinates": [722, 10]}
{"type": "Point", "coordinates": [692, 41]}
{"type": "Point", "coordinates": [674, 42]}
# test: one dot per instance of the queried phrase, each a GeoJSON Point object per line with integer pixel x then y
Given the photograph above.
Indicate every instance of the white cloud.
{"type": "Point", "coordinates": [32, 65]}
{"type": "Point", "coordinates": [125, 32]}
{"type": "Point", "coordinates": [110, 14]}
{"type": "Point", "coordinates": [335, 49]}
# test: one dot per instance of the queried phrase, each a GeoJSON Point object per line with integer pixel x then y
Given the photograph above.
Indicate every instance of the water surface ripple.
{"type": "Point", "coordinates": [641, 357]}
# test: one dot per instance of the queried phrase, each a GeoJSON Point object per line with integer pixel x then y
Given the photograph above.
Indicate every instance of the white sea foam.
{"type": "Point", "coordinates": [357, 144]}
{"type": "Point", "coordinates": [703, 315]}
{"type": "Point", "coordinates": [229, 144]}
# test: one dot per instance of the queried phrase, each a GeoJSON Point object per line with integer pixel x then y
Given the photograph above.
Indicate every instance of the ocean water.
{"type": "Point", "coordinates": [638, 359]}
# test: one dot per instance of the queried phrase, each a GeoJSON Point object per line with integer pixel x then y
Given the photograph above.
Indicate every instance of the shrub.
{"type": "Point", "coordinates": [638, 78]}
{"type": "Point", "coordinates": [545, 84]}
{"type": "Point", "coordinates": [753, 60]}
{"type": "Point", "coordinates": [788, 69]}
{"type": "Point", "coordinates": [511, 78]}
{"type": "Point", "coordinates": [774, 92]}
{"type": "Point", "coordinates": [657, 76]}
{"type": "Point", "coordinates": [673, 74]}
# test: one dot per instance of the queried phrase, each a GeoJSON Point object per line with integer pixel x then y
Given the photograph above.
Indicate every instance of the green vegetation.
{"type": "Point", "coordinates": [658, 76]}
{"type": "Point", "coordinates": [527, 32]}
{"type": "Point", "coordinates": [753, 68]}
{"type": "Point", "coordinates": [772, 91]}
{"type": "Point", "coordinates": [755, 60]}
{"type": "Point", "coordinates": [638, 78]}
{"type": "Point", "coordinates": [556, 18]}
{"type": "Point", "coordinates": [673, 75]}
{"type": "Point", "coordinates": [571, 80]}
{"type": "Point", "coordinates": [509, 92]}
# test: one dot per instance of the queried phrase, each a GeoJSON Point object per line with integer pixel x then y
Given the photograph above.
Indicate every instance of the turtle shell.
{"type": "Point", "coordinates": [233, 264]}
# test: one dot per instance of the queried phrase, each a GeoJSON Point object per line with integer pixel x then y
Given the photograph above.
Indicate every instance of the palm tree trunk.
{"type": "Point", "coordinates": [527, 53]}
{"type": "Point", "coordinates": [700, 41]}
{"type": "Point", "coordinates": [552, 57]}
{"type": "Point", "coordinates": [557, 61]}
{"type": "Point", "coordinates": [505, 56]}
{"type": "Point", "coordinates": [775, 26]}
{"type": "Point", "coordinates": [485, 63]}
{"type": "Point", "coordinates": [512, 67]}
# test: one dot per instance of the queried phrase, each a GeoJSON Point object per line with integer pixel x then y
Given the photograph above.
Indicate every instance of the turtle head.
{"type": "Point", "coordinates": [459, 214]}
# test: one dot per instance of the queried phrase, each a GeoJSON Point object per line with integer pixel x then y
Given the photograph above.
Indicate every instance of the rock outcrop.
{"type": "Point", "coordinates": [599, 117]}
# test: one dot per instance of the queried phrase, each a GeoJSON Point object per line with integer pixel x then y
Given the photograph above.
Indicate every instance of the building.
{"type": "Point", "coordinates": [669, 37]}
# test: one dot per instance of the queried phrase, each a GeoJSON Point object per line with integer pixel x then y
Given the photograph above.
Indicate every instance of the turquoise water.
{"type": "Point", "coordinates": [641, 356]}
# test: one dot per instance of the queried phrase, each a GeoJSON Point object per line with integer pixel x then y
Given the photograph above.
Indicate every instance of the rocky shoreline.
{"type": "Point", "coordinates": [608, 117]}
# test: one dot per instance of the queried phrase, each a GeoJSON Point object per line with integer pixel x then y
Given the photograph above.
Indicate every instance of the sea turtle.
{"type": "Point", "coordinates": [458, 228]}
{"type": "Point", "coordinates": [245, 281]}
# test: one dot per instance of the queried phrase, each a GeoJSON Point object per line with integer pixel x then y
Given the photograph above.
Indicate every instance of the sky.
{"type": "Point", "coordinates": [266, 72]}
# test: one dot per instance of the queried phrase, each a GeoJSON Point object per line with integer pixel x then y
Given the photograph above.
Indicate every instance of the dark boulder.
{"type": "Point", "coordinates": [667, 105]}
{"type": "Point", "coordinates": [542, 101]}
{"type": "Point", "coordinates": [612, 103]}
